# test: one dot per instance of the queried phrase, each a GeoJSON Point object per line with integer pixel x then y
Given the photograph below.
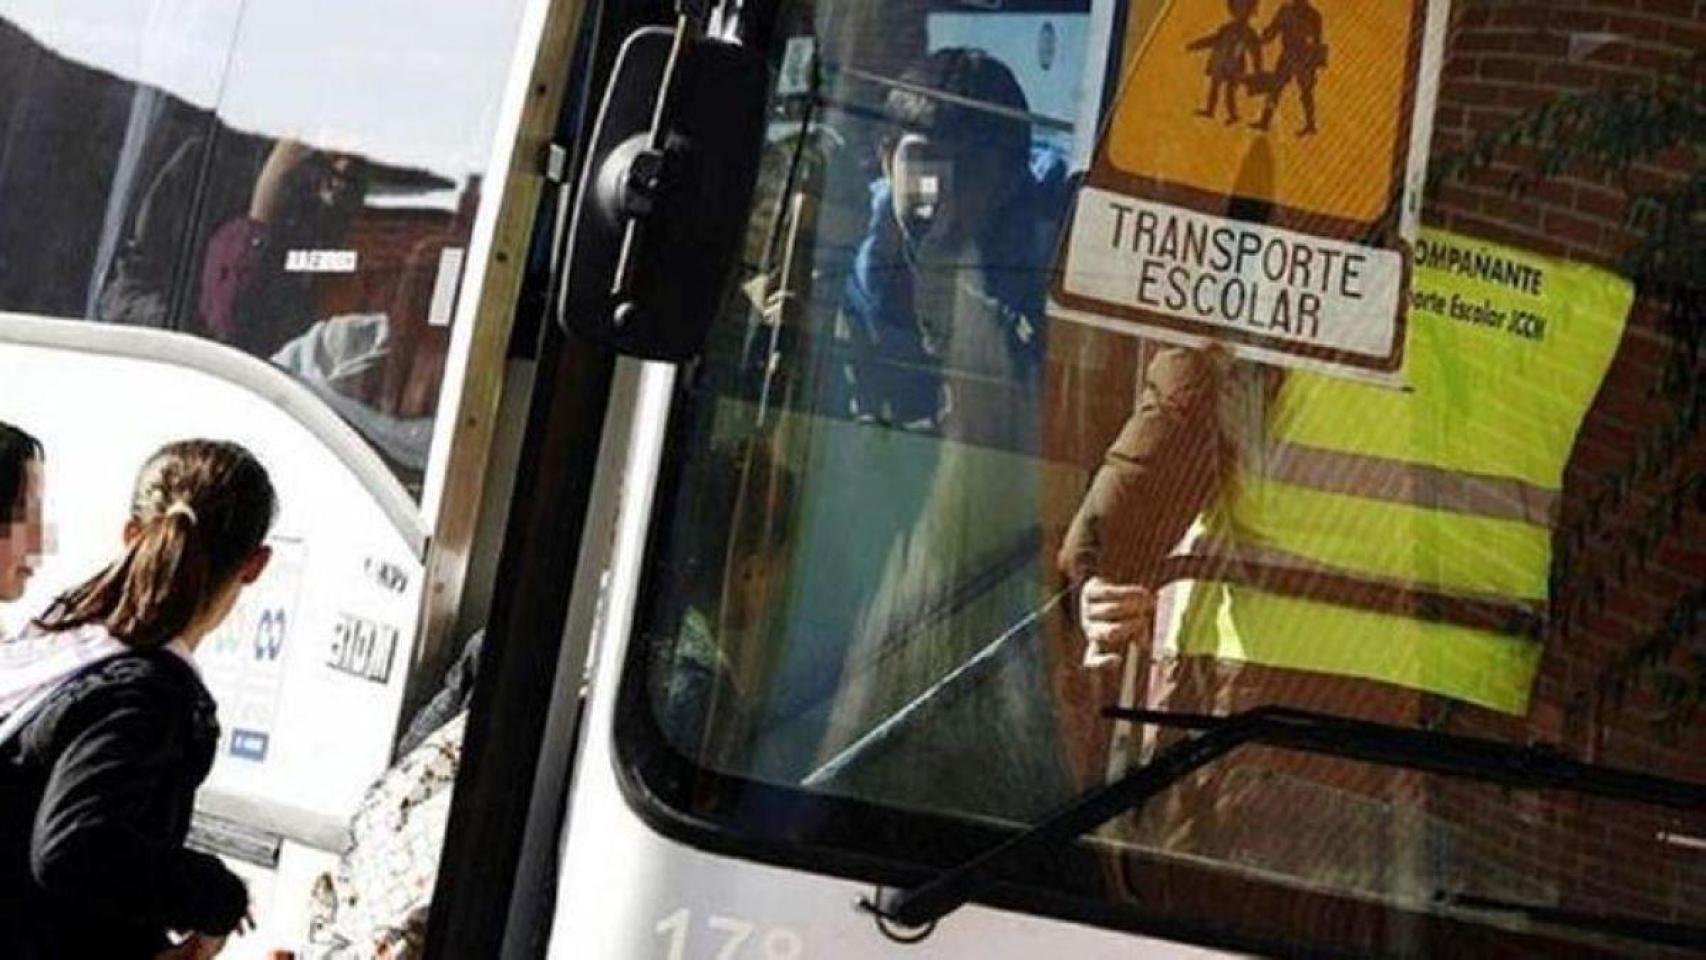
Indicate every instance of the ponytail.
{"type": "Point", "coordinates": [201, 508]}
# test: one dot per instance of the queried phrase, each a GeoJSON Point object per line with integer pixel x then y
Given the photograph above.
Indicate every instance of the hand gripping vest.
{"type": "Point", "coordinates": [1405, 536]}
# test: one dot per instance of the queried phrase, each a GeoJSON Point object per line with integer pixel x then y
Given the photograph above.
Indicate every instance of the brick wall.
{"type": "Point", "coordinates": [1634, 519]}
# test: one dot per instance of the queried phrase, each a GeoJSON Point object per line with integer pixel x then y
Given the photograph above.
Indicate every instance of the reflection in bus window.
{"type": "Point", "coordinates": [947, 279]}
{"type": "Point", "coordinates": [1002, 514]}
{"type": "Point", "coordinates": [722, 590]}
{"type": "Point", "coordinates": [214, 172]}
{"type": "Point", "coordinates": [915, 345]}
{"type": "Point", "coordinates": [255, 289]}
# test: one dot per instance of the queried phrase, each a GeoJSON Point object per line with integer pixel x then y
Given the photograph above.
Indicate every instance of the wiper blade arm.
{"type": "Point", "coordinates": [929, 902]}
{"type": "Point", "coordinates": [1526, 767]}
{"type": "Point", "coordinates": [1523, 767]}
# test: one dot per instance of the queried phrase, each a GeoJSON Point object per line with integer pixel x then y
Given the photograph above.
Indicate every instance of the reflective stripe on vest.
{"type": "Point", "coordinates": [1337, 471]}
{"type": "Point", "coordinates": [1404, 536]}
{"type": "Point", "coordinates": [1294, 576]}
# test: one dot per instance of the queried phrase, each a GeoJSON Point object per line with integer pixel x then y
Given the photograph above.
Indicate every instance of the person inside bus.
{"type": "Point", "coordinates": [137, 288]}
{"type": "Point", "coordinates": [381, 370]}
{"type": "Point", "coordinates": [738, 526]}
{"type": "Point", "coordinates": [943, 320]}
{"type": "Point", "coordinates": [303, 200]}
{"type": "Point", "coordinates": [951, 276]}
{"type": "Point", "coordinates": [104, 758]}
{"type": "Point", "coordinates": [22, 532]}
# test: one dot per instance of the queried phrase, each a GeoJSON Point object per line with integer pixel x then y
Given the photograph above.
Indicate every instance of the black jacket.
{"type": "Point", "coordinates": [96, 794]}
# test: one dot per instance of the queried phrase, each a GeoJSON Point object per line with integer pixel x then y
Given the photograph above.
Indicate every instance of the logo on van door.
{"type": "Point", "coordinates": [270, 632]}
{"type": "Point", "coordinates": [363, 648]}
{"type": "Point", "coordinates": [388, 576]}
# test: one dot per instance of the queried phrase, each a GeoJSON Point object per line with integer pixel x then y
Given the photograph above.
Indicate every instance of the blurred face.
{"type": "Point", "coordinates": [322, 194]}
{"type": "Point", "coordinates": [21, 536]}
{"type": "Point", "coordinates": [922, 175]}
{"type": "Point", "coordinates": [334, 179]}
{"type": "Point", "coordinates": [940, 194]}
{"type": "Point", "coordinates": [749, 594]}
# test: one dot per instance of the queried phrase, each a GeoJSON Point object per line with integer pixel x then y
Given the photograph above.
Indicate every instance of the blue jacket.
{"type": "Point", "coordinates": [892, 366]}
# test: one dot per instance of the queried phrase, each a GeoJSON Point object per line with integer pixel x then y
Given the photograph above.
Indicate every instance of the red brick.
{"type": "Point", "coordinates": [1529, 15]}
{"type": "Point", "coordinates": [1649, 178]}
{"type": "Point", "coordinates": [1511, 210]}
{"type": "Point", "coordinates": [1461, 89]}
{"type": "Point", "coordinates": [1647, 59]}
{"type": "Point", "coordinates": [1610, 205]}
{"type": "Point", "coordinates": [1449, 117]}
{"type": "Point", "coordinates": [1454, 197]}
{"type": "Point", "coordinates": [1638, 604]}
{"type": "Point", "coordinates": [1507, 69]}
{"type": "Point", "coordinates": [1484, 119]}
{"type": "Point", "coordinates": [1526, 97]}
{"type": "Point", "coordinates": [1635, 25]}
{"type": "Point", "coordinates": [1568, 77]}
{"type": "Point", "coordinates": [1686, 36]}
{"type": "Point", "coordinates": [1571, 228]}
{"type": "Point", "coordinates": [1681, 9]}
{"type": "Point", "coordinates": [1635, 407]}
{"type": "Point", "coordinates": [1465, 18]}
{"type": "Point", "coordinates": [1556, 191]}
{"type": "Point", "coordinates": [1483, 41]}
{"type": "Point", "coordinates": [1683, 561]}
{"type": "Point", "coordinates": [1489, 229]}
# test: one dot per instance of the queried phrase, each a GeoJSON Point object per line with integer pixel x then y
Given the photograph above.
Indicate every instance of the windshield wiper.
{"type": "Point", "coordinates": [1533, 767]}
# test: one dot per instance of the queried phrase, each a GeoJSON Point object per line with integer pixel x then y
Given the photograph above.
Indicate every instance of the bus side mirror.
{"type": "Point", "coordinates": [662, 201]}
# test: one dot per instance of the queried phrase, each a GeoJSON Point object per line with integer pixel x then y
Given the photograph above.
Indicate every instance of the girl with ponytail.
{"type": "Point", "coordinates": [102, 752]}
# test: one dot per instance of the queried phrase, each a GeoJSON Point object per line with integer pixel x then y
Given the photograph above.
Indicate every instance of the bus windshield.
{"type": "Point", "coordinates": [1198, 359]}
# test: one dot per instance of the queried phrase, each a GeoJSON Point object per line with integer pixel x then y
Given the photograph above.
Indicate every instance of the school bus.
{"type": "Point", "coordinates": [738, 371]}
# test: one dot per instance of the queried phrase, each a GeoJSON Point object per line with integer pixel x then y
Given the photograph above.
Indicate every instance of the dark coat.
{"type": "Point", "coordinates": [96, 795]}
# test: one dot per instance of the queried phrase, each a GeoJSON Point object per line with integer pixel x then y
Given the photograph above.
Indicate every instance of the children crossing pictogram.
{"type": "Point", "coordinates": [1236, 53]}
{"type": "Point", "coordinates": [1234, 58]}
{"type": "Point", "coordinates": [1303, 55]}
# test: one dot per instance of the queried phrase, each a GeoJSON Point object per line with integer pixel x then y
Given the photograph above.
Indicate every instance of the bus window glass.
{"type": "Point", "coordinates": [98, 101]}
{"type": "Point", "coordinates": [945, 484]}
{"type": "Point", "coordinates": [295, 180]}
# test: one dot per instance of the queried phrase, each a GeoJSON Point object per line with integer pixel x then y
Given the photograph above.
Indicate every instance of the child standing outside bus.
{"type": "Point", "coordinates": [98, 782]}
{"type": "Point", "coordinates": [1235, 57]}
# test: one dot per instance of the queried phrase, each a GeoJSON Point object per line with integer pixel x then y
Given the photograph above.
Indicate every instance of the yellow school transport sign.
{"type": "Point", "coordinates": [1258, 183]}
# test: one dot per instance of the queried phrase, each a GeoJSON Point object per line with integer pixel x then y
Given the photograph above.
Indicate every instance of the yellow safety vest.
{"type": "Point", "coordinates": [1405, 536]}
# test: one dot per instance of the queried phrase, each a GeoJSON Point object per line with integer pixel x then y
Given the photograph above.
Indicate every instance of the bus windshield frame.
{"type": "Point", "coordinates": [867, 840]}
